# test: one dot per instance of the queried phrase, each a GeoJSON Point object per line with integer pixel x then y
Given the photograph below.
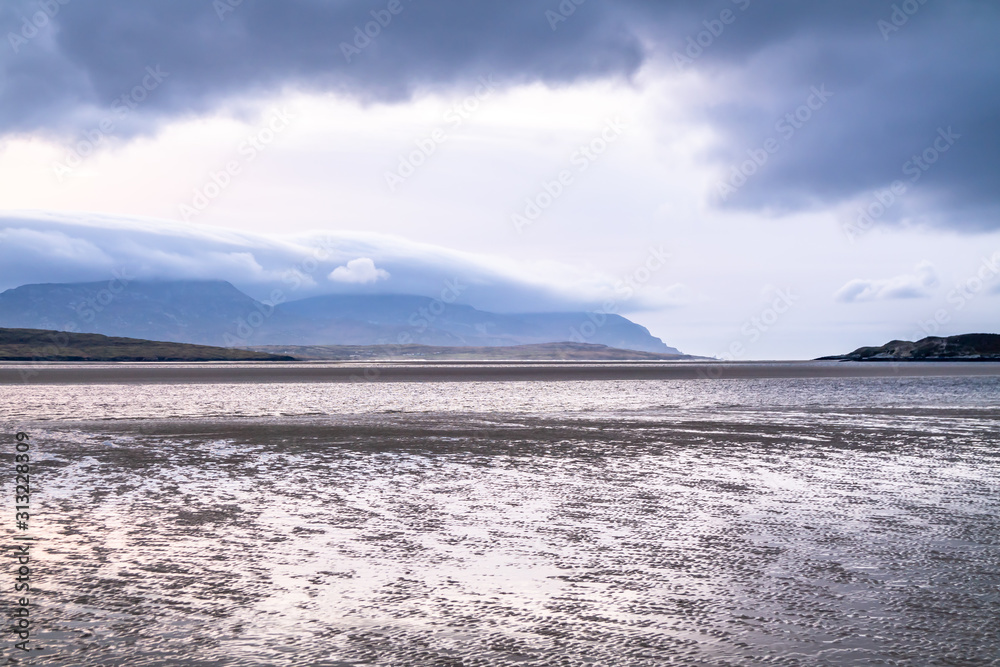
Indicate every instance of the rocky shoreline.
{"type": "Point", "coordinates": [967, 347]}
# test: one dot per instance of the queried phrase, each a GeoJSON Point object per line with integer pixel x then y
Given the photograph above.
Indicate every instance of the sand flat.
{"type": "Point", "coordinates": [269, 372]}
{"type": "Point", "coordinates": [721, 537]}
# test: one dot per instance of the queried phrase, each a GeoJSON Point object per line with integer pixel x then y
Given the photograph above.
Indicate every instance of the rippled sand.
{"type": "Point", "coordinates": [718, 536]}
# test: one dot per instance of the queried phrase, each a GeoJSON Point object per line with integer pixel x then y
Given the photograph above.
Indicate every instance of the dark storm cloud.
{"type": "Point", "coordinates": [900, 73]}
{"type": "Point", "coordinates": [95, 51]}
{"type": "Point", "coordinates": [915, 99]}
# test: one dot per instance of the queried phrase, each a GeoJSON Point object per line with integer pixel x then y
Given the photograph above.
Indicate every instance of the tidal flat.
{"type": "Point", "coordinates": [784, 521]}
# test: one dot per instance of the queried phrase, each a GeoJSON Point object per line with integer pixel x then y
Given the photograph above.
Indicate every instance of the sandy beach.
{"type": "Point", "coordinates": [265, 515]}
{"type": "Point", "coordinates": [832, 538]}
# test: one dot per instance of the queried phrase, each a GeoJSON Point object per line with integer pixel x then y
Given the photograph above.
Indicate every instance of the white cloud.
{"type": "Point", "coordinates": [916, 285]}
{"type": "Point", "coordinates": [56, 246]}
{"type": "Point", "coordinates": [360, 271]}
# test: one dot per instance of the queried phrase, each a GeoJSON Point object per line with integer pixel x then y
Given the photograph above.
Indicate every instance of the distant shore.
{"type": "Point", "coordinates": [318, 372]}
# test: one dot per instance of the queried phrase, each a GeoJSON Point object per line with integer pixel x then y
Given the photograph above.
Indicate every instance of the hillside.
{"type": "Point", "coordinates": [42, 345]}
{"type": "Point", "coordinates": [966, 347]}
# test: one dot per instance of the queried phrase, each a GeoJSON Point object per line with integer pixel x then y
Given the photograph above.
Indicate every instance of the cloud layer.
{"type": "Point", "coordinates": [898, 71]}
{"type": "Point", "coordinates": [88, 248]}
{"type": "Point", "coordinates": [916, 285]}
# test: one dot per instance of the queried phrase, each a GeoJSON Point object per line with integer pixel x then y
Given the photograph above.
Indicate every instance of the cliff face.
{"type": "Point", "coordinates": [967, 347]}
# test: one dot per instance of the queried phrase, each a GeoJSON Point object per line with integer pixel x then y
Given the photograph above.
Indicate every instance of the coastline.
{"type": "Point", "coordinates": [84, 373]}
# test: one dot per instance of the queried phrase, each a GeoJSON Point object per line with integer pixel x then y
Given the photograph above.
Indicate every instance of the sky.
{"type": "Point", "coordinates": [747, 179]}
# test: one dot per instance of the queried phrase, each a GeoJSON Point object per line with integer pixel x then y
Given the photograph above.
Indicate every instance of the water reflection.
{"type": "Point", "coordinates": [761, 533]}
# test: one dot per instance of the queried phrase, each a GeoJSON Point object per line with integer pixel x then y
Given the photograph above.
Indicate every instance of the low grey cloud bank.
{"type": "Point", "coordinates": [88, 248]}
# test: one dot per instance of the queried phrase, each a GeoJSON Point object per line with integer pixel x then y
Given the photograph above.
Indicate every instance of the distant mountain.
{"type": "Point", "coordinates": [40, 345]}
{"type": "Point", "coordinates": [177, 311]}
{"type": "Point", "coordinates": [967, 347]}
{"type": "Point", "coordinates": [366, 320]}
{"type": "Point", "coordinates": [216, 313]}
{"type": "Point", "coordinates": [539, 352]}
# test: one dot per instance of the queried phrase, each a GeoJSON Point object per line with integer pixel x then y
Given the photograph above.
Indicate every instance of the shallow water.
{"type": "Point", "coordinates": [734, 522]}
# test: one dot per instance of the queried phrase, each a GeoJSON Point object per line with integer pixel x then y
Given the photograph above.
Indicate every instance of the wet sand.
{"type": "Point", "coordinates": [270, 372]}
{"type": "Point", "coordinates": [829, 521]}
{"type": "Point", "coordinates": [487, 539]}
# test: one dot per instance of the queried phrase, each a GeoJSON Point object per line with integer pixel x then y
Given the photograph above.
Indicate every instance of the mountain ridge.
{"type": "Point", "coordinates": [214, 312]}
{"type": "Point", "coordinates": [563, 351]}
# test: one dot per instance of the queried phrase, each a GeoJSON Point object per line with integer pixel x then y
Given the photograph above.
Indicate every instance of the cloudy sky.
{"type": "Point", "coordinates": [747, 178]}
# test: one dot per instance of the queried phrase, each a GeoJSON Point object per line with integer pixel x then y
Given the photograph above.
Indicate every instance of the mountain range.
{"type": "Point", "coordinates": [214, 312]}
{"type": "Point", "coordinates": [520, 353]}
